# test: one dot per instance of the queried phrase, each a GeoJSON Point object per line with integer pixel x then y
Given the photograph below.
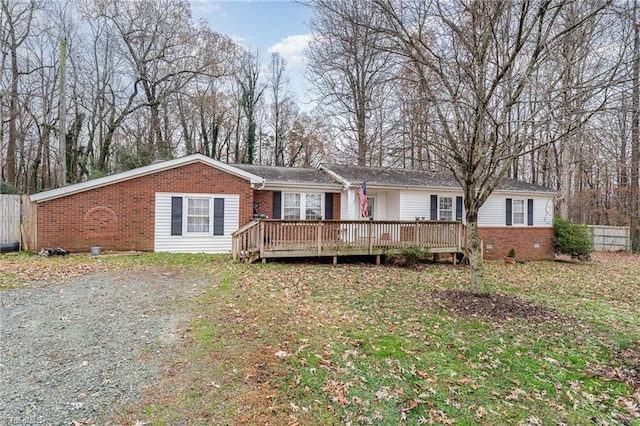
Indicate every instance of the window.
{"type": "Point", "coordinates": [446, 208]}
{"type": "Point", "coordinates": [301, 206]}
{"type": "Point", "coordinates": [371, 206]}
{"type": "Point", "coordinates": [198, 215]}
{"type": "Point", "coordinates": [291, 206]}
{"type": "Point", "coordinates": [313, 206]}
{"type": "Point", "coordinates": [518, 212]}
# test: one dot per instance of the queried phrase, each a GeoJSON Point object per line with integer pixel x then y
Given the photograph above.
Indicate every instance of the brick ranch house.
{"type": "Point", "coordinates": [195, 203]}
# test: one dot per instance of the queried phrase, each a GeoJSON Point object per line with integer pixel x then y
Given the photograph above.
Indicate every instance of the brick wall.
{"type": "Point", "coordinates": [121, 216]}
{"type": "Point", "coordinates": [530, 243]}
{"type": "Point", "coordinates": [265, 202]}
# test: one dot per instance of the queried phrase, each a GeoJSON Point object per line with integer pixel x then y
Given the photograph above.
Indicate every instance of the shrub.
{"type": "Point", "coordinates": [5, 188]}
{"type": "Point", "coordinates": [572, 239]}
{"type": "Point", "coordinates": [410, 256]}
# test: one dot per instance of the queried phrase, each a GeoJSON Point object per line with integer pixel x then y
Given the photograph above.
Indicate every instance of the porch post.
{"type": "Point", "coordinates": [261, 239]}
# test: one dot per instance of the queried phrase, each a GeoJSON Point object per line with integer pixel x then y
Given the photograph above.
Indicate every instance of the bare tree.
{"type": "Point", "coordinates": [251, 91]}
{"type": "Point", "coordinates": [17, 19]}
{"type": "Point", "coordinates": [278, 82]}
{"type": "Point", "coordinates": [347, 66]}
{"type": "Point", "coordinates": [474, 61]}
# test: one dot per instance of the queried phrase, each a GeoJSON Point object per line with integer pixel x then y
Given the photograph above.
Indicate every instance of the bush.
{"type": "Point", "coordinates": [572, 239]}
{"type": "Point", "coordinates": [410, 256]}
{"type": "Point", "coordinates": [5, 188]}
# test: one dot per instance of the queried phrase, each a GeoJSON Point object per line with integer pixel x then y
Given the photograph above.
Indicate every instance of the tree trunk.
{"type": "Point", "coordinates": [13, 118]}
{"type": "Point", "coordinates": [635, 136]}
{"type": "Point", "coordinates": [474, 252]}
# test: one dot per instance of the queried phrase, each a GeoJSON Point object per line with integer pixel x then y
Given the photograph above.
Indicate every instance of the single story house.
{"type": "Point", "coordinates": [195, 203]}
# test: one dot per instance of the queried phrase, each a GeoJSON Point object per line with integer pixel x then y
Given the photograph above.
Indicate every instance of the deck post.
{"type": "Point", "coordinates": [370, 237]}
{"type": "Point", "coordinates": [234, 251]}
{"type": "Point", "coordinates": [377, 260]}
{"type": "Point", "coordinates": [319, 234]}
{"type": "Point", "coordinates": [260, 241]}
{"type": "Point", "coordinates": [335, 260]}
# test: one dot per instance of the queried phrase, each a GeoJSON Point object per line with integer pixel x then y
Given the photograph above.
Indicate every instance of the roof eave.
{"type": "Point", "coordinates": [140, 172]}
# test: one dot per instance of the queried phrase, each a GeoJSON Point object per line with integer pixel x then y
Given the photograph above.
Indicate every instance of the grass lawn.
{"type": "Point", "coordinates": [555, 343]}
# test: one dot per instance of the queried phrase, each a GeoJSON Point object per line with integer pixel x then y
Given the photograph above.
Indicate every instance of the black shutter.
{"type": "Point", "coordinates": [509, 213]}
{"type": "Point", "coordinates": [459, 209]}
{"type": "Point", "coordinates": [277, 205]}
{"type": "Point", "coordinates": [218, 216]}
{"type": "Point", "coordinates": [328, 206]}
{"type": "Point", "coordinates": [176, 215]}
{"type": "Point", "coordinates": [530, 212]}
{"type": "Point", "coordinates": [434, 207]}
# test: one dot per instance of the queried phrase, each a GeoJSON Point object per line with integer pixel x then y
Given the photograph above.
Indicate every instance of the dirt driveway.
{"type": "Point", "coordinates": [74, 352]}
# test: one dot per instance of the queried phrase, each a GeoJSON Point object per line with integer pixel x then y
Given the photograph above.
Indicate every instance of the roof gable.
{"type": "Point", "coordinates": [143, 171]}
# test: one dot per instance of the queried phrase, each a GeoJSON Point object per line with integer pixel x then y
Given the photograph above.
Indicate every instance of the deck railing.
{"type": "Point", "coordinates": [268, 238]}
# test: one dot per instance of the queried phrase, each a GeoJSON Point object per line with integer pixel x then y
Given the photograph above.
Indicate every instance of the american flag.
{"type": "Point", "coordinates": [362, 194]}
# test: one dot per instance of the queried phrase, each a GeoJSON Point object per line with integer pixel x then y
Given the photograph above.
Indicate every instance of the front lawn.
{"type": "Point", "coordinates": [556, 343]}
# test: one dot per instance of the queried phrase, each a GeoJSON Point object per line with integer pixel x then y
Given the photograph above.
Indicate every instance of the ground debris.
{"type": "Point", "coordinates": [497, 306]}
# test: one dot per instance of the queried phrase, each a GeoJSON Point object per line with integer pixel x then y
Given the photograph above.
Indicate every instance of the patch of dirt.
{"type": "Point", "coordinates": [496, 306]}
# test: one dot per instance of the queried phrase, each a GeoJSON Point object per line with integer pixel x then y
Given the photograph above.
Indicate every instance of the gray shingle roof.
{"type": "Point", "coordinates": [288, 175]}
{"type": "Point", "coordinates": [390, 177]}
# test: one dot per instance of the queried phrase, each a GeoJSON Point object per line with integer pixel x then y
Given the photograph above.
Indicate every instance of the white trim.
{"type": "Point", "coordinates": [335, 175]}
{"type": "Point", "coordinates": [143, 171]}
{"type": "Point", "coordinates": [289, 187]}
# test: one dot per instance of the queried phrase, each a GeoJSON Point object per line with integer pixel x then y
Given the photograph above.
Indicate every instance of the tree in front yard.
{"type": "Point", "coordinates": [493, 74]}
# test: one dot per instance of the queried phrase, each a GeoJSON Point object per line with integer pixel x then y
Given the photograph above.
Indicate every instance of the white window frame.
{"type": "Point", "coordinates": [450, 211]}
{"type": "Point", "coordinates": [186, 215]}
{"type": "Point", "coordinates": [317, 211]}
{"type": "Point", "coordinates": [516, 212]}
{"type": "Point", "coordinates": [288, 209]}
{"type": "Point", "coordinates": [302, 208]}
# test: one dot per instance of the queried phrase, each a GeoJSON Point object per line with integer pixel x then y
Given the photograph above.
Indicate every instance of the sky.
{"type": "Point", "coordinates": [266, 26]}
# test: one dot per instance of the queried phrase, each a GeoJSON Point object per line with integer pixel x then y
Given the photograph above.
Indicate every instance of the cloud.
{"type": "Point", "coordinates": [204, 7]}
{"type": "Point", "coordinates": [292, 48]}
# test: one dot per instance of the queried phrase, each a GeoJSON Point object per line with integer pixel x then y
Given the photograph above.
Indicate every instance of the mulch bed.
{"type": "Point", "coordinates": [496, 306]}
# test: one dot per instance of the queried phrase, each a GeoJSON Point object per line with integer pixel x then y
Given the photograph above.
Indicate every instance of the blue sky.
{"type": "Point", "coordinates": [266, 25]}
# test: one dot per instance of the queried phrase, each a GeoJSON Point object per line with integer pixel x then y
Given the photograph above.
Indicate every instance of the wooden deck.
{"type": "Point", "coordinates": [267, 238]}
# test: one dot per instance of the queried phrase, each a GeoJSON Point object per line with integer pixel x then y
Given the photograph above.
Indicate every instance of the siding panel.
{"type": "Point", "coordinates": [165, 242]}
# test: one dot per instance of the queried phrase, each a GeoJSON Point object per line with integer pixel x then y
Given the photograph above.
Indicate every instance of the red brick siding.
{"type": "Point", "coordinates": [499, 240]}
{"type": "Point", "coordinates": [121, 216]}
{"type": "Point", "coordinates": [336, 206]}
{"type": "Point", "coordinates": [265, 202]}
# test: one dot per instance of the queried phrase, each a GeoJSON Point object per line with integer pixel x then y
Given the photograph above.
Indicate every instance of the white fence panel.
{"type": "Point", "coordinates": [9, 218]}
{"type": "Point", "coordinates": [611, 238]}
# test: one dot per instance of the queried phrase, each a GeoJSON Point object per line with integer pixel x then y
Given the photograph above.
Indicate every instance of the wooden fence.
{"type": "Point", "coordinates": [9, 219]}
{"type": "Point", "coordinates": [611, 238]}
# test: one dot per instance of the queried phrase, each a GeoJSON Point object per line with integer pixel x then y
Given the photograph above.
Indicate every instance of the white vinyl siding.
{"type": "Point", "coordinates": [197, 242]}
{"type": "Point", "coordinates": [414, 204]}
{"type": "Point", "coordinates": [493, 212]}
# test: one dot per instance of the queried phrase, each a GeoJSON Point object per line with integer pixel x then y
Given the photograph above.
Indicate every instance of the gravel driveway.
{"type": "Point", "coordinates": [73, 352]}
